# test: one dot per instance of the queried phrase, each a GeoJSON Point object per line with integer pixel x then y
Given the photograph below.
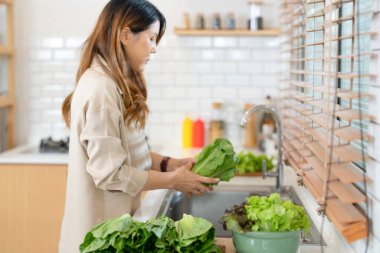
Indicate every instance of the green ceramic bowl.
{"type": "Point", "coordinates": [267, 242]}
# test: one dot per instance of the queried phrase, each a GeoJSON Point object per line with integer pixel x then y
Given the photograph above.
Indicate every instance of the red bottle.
{"type": "Point", "coordinates": [198, 133]}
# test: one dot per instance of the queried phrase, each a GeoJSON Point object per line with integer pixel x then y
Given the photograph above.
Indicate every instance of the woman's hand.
{"type": "Point", "coordinates": [189, 182]}
{"type": "Point", "coordinates": [176, 163]}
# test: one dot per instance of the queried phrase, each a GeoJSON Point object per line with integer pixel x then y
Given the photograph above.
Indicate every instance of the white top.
{"type": "Point", "coordinates": [107, 159]}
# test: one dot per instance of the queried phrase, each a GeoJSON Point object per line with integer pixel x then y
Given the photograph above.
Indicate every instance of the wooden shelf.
{"type": "Point", "coordinates": [236, 32]}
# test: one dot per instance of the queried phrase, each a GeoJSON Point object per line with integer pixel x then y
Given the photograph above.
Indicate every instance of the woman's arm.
{"type": "Point", "coordinates": [173, 163]}
{"type": "Point", "coordinates": [181, 179]}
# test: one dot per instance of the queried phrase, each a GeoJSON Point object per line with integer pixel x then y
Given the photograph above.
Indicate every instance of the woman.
{"type": "Point", "coordinates": [109, 161]}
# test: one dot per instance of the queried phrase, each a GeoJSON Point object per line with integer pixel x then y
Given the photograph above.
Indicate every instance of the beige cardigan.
{"type": "Point", "coordinates": [107, 159]}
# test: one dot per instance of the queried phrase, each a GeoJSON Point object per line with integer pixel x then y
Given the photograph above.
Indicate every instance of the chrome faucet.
{"type": "Point", "coordinates": [279, 174]}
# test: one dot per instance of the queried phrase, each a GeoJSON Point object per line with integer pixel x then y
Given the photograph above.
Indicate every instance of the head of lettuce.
{"type": "Point", "coordinates": [216, 160]}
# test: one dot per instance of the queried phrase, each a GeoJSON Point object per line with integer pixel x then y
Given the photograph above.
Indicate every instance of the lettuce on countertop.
{"type": "Point", "coordinates": [248, 162]}
{"type": "Point", "coordinates": [157, 235]}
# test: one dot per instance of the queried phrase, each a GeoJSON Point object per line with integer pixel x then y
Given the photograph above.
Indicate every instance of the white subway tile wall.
{"type": "Point", "coordinates": [185, 76]}
{"type": "Point", "coordinates": [373, 166]}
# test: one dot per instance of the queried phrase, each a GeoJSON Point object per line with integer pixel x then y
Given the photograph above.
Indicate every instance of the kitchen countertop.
{"type": "Point", "coordinates": [28, 154]}
{"type": "Point", "coordinates": [153, 199]}
{"type": "Point", "coordinates": [335, 242]}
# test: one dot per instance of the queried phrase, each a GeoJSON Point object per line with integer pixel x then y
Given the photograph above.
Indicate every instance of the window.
{"type": "Point", "coordinates": [325, 84]}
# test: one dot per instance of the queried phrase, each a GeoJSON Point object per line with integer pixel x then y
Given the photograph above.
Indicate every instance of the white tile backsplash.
{"type": "Point", "coordinates": [251, 42]}
{"type": "Point", "coordinates": [225, 67]}
{"type": "Point", "coordinates": [213, 54]}
{"type": "Point", "coordinates": [199, 92]}
{"type": "Point", "coordinates": [225, 42]}
{"type": "Point", "coordinates": [74, 42]}
{"type": "Point", "coordinates": [187, 80]}
{"type": "Point", "coordinates": [65, 54]}
{"type": "Point", "coordinates": [52, 43]}
{"type": "Point", "coordinates": [238, 55]}
{"type": "Point", "coordinates": [204, 42]}
{"type": "Point", "coordinates": [200, 67]}
{"type": "Point", "coordinates": [186, 75]}
{"type": "Point", "coordinates": [175, 67]}
{"type": "Point", "coordinates": [235, 80]}
{"type": "Point", "coordinates": [40, 55]}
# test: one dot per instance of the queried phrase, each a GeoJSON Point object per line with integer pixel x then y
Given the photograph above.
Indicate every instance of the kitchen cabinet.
{"type": "Point", "coordinates": [32, 205]}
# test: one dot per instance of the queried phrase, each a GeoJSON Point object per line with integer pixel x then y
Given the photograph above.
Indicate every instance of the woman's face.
{"type": "Point", "coordinates": [140, 45]}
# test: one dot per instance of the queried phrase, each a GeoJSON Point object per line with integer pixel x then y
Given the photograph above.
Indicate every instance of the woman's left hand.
{"type": "Point", "coordinates": [176, 163]}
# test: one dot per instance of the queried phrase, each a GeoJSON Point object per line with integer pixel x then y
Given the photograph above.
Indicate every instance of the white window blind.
{"type": "Point", "coordinates": [325, 81]}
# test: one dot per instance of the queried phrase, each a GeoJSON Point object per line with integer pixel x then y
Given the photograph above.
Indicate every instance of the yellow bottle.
{"type": "Point", "coordinates": [187, 133]}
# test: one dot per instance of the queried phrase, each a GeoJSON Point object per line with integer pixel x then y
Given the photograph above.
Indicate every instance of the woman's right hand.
{"type": "Point", "coordinates": [188, 182]}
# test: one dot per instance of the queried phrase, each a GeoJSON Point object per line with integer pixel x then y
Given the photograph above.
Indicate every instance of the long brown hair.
{"type": "Point", "coordinates": [104, 41]}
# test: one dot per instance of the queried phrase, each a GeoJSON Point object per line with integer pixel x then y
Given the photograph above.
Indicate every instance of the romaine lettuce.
{"type": "Point", "coordinates": [216, 160]}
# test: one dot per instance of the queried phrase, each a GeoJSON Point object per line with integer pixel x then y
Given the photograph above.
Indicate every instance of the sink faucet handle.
{"type": "Point", "coordinates": [264, 168]}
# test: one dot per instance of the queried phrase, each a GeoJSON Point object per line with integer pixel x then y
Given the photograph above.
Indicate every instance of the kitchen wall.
{"type": "Point", "coordinates": [185, 76]}
{"type": "Point", "coordinates": [373, 166]}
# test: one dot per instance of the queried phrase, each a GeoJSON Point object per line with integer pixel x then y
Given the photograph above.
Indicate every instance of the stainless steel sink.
{"type": "Point", "coordinates": [211, 206]}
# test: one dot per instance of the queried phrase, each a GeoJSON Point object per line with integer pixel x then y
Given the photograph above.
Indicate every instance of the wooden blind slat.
{"type": "Point", "coordinates": [345, 153]}
{"type": "Point", "coordinates": [350, 134]}
{"type": "Point", "coordinates": [347, 193]}
{"type": "Point", "coordinates": [346, 133]}
{"type": "Point", "coordinates": [320, 152]}
{"type": "Point", "coordinates": [324, 121]}
{"type": "Point", "coordinates": [299, 84]}
{"type": "Point", "coordinates": [346, 94]}
{"type": "Point", "coordinates": [300, 122]}
{"type": "Point", "coordinates": [350, 115]}
{"type": "Point", "coordinates": [319, 168]}
{"type": "Point", "coordinates": [5, 102]}
{"type": "Point", "coordinates": [295, 156]}
{"type": "Point", "coordinates": [6, 50]}
{"type": "Point", "coordinates": [303, 111]}
{"type": "Point", "coordinates": [348, 153]}
{"type": "Point", "coordinates": [322, 136]}
{"type": "Point", "coordinates": [347, 213]}
{"type": "Point", "coordinates": [7, 2]}
{"type": "Point", "coordinates": [315, 184]}
{"type": "Point", "coordinates": [295, 165]}
{"type": "Point", "coordinates": [346, 114]}
{"type": "Point", "coordinates": [351, 231]}
{"type": "Point", "coordinates": [347, 173]}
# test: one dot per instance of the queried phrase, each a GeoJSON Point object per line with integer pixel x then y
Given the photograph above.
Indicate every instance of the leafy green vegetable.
{"type": "Point", "coordinates": [216, 160]}
{"type": "Point", "coordinates": [161, 235]}
{"type": "Point", "coordinates": [269, 214]}
{"type": "Point", "coordinates": [235, 219]}
{"type": "Point", "coordinates": [248, 162]}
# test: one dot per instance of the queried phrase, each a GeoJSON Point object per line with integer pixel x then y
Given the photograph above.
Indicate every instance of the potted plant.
{"type": "Point", "coordinates": [266, 225]}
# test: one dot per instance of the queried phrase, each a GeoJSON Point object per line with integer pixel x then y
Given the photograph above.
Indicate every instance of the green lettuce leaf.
{"type": "Point", "coordinates": [157, 235]}
{"type": "Point", "coordinates": [216, 160]}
